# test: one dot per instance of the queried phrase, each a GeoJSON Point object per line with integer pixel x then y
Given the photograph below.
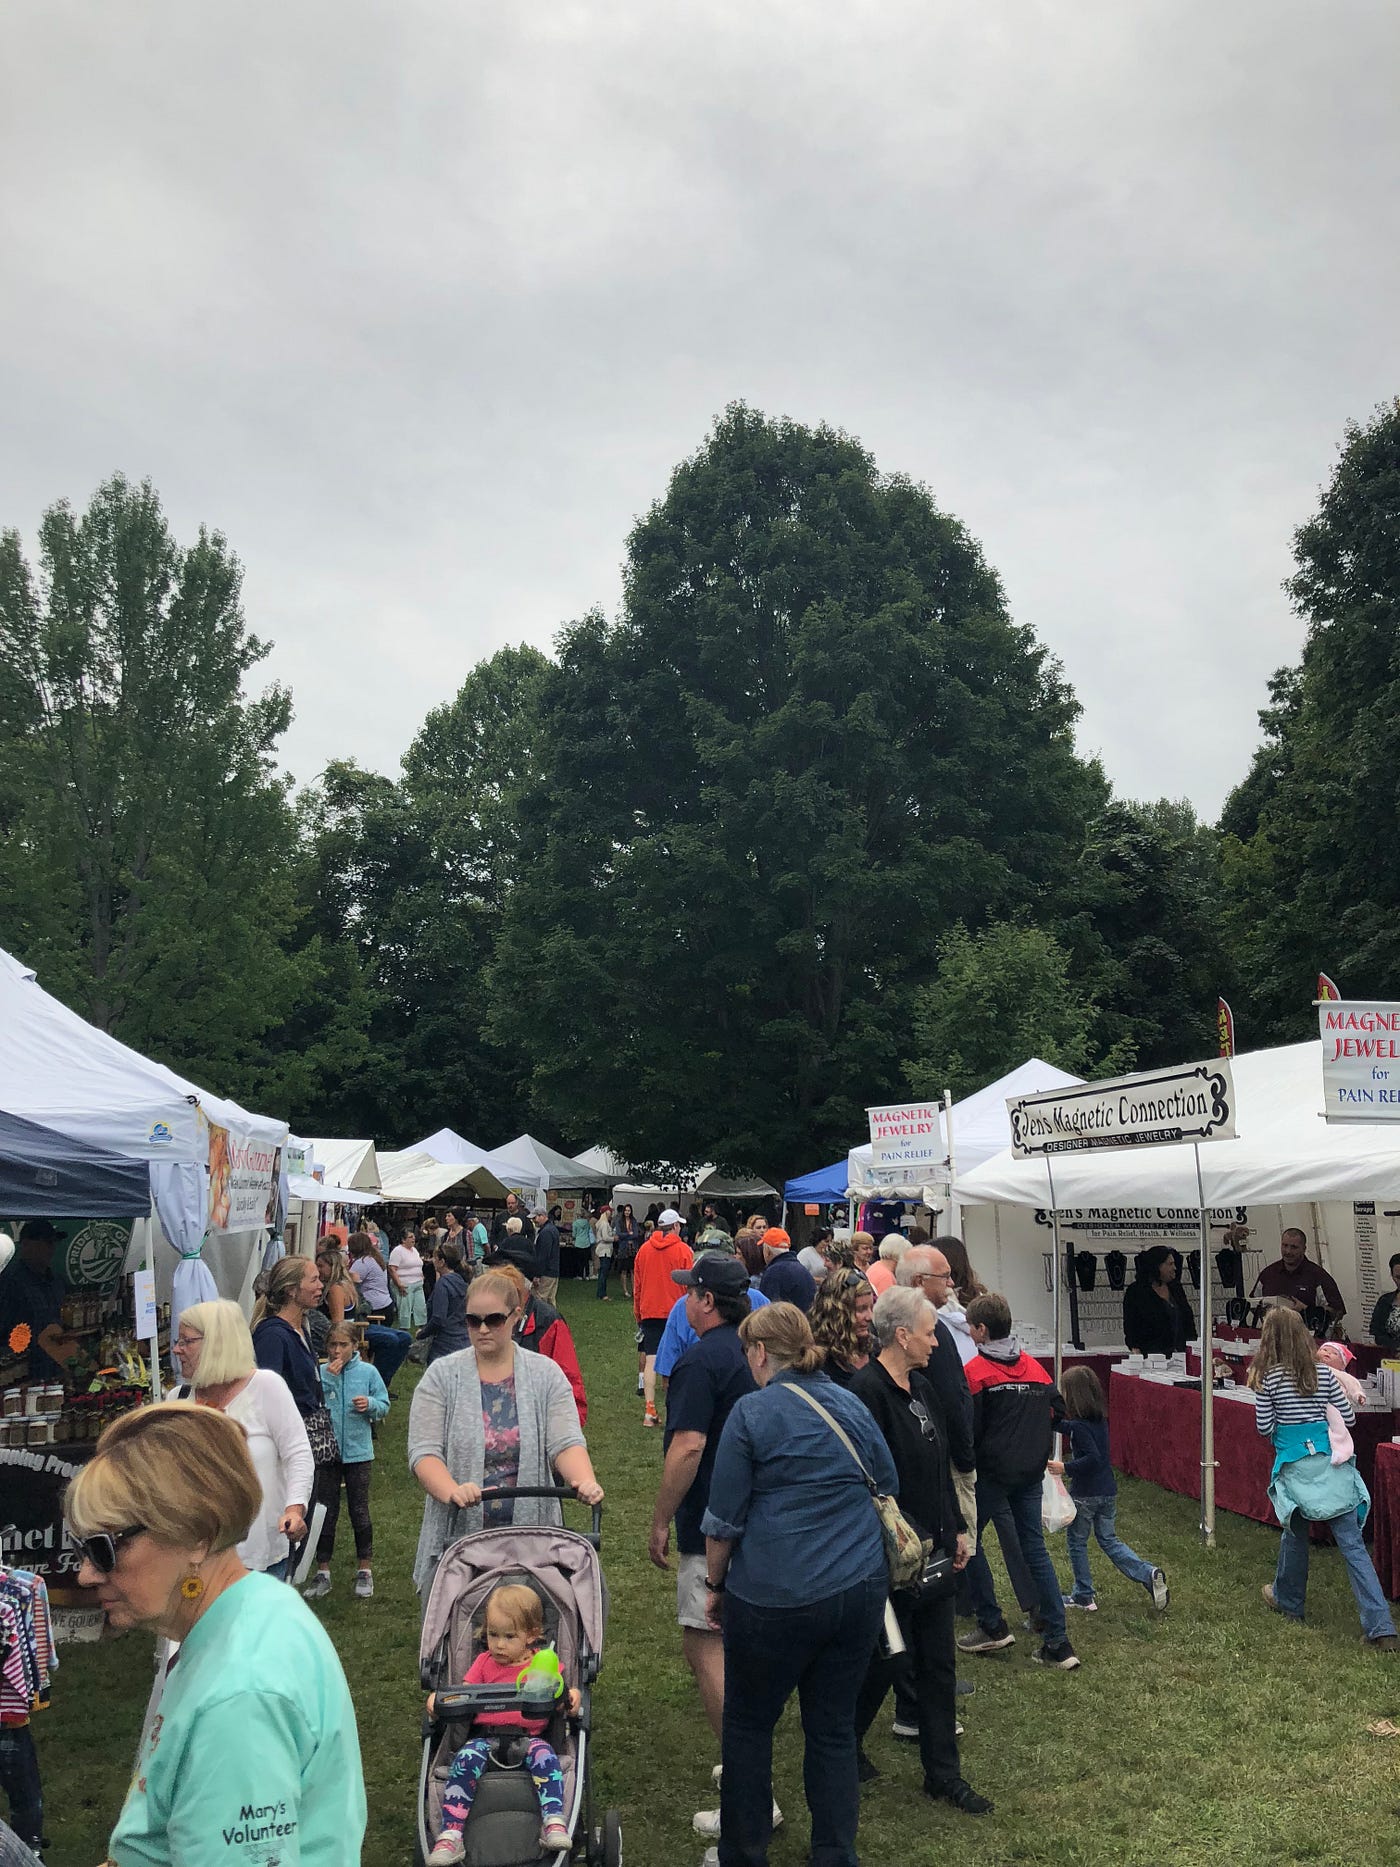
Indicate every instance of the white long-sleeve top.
{"type": "Point", "coordinates": [281, 1455]}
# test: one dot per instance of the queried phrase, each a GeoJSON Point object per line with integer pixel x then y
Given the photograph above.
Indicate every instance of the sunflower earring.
{"type": "Point", "coordinates": [193, 1586]}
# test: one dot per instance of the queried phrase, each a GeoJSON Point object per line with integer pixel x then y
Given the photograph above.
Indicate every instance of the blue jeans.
{"type": "Point", "coordinates": [1094, 1516]}
{"type": "Point", "coordinates": [604, 1266]}
{"type": "Point", "coordinates": [19, 1778]}
{"type": "Point", "coordinates": [388, 1348]}
{"type": "Point", "coordinates": [1024, 1501]}
{"type": "Point", "coordinates": [1291, 1578]}
{"type": "Point", "coordinates": [821, 1650]}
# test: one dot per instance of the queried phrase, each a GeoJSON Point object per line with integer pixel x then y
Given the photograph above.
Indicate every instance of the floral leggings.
{"type": "Point", "coordinates": [466, 1772]}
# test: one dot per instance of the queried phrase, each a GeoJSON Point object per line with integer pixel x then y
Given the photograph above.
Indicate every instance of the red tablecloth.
{"type": "Point", "coordinates": [1154, 1432]}
{"type": "Point", "coordinates": [1385, 1517]}
{"type": "Point", "coordinates": [1072, 1358]}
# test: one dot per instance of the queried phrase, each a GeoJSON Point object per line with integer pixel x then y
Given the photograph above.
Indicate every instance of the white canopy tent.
{"type": "Point", "coordinates": [60, 1071]}
{"type": "Point", "coordinates": [412, 1176]}
{"type": "Point", "coordinates": [981, 1128]}
{"type": "Point", "coordinates": [1283, 1152]}
{"type": "Point", "coordinates": [446, 1145]}
{"type": "Point", "coordinates": [546, 1167]}
{"type": "Point", "coordinates": [346, 1163]}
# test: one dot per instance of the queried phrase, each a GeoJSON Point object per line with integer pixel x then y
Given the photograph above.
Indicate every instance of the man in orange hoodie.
{"type": "Point", "coordinates": [653, 1293]}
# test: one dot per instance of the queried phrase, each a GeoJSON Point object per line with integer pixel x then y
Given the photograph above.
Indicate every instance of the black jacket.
{"type": "Point", "coordinates": [1153, 1327]}
{"type": "Point", "coordinates": [918, 1447]}
{"type": "Point", "coordinates": [946, 1377]}
{"type": "Point", "coordinates": [547, 1250]}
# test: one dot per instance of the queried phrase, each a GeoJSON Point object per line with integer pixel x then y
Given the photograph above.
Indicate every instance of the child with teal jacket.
{"type": "Point", "coordinates": [356, 1399]}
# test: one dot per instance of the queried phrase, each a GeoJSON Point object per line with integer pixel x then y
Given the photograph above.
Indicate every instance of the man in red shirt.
{"type": "Point", "coordinates": [1303, 1284]}
{"type": "Point", "coordinates": [653, 1294]}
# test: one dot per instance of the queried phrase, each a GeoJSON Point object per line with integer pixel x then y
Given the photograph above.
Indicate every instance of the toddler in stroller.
{"type": "Point", "coordinates": [514, 1623]}
{"type": "Point", "coordinates": [497, 1599]}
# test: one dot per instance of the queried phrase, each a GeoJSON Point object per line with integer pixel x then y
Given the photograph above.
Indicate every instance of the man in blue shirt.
{"type": "Point", "coordinates": [678, 1335]}
{"type": "Point", "coordinates": [785, 1280]}
{"type": "Point", "coordinates": [708, 1379]}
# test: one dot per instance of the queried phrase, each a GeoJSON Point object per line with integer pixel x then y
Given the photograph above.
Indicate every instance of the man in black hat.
{"type": "Point", "coordinates": [709, 1378]}
{"type": "Point", "coordinates": [30, 1295]}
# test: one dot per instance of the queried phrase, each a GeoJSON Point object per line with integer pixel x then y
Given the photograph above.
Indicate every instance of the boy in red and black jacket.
{"type": "Point", "coordinates": [1015, 1410]}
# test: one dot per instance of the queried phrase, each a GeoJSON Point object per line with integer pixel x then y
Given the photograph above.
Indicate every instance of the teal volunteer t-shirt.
{"type": "Point", "coordinates": [254, 1758]}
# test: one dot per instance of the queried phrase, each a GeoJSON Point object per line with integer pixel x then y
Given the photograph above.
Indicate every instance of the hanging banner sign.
{"type": "Point", "coordinates": [242, 1181]}
{"type": "Point", "coordinates": [906, 1134]}
{"type": "Point", "coordinates": [1156, 1109]}
{"type": "Point", "coordinates": [1360, 1059]}
{"type": "Point", "coordinates": [1139, 1221]}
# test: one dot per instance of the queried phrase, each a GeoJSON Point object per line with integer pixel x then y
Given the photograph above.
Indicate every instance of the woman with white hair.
{"type": "Point", "coordinates": [214, 1351]}
{"type": "Point", "coordinates": [881, 1275]}
{"type": "Point", "coordinates": [910, 1416]}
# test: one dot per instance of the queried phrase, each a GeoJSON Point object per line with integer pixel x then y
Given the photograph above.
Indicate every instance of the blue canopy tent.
{"type": "Point", "coordinates": [43, 1174]}
{"type": "Point", "coordinates": [821, 1188]}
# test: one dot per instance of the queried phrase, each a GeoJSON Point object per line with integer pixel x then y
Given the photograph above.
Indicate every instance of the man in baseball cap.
{"type": "Point", "coordinates": [710, 1377]}
{"type": "Point", "coordinates": [785, 1280]}
{"type": "Point", "coordinates": [653, 1293]}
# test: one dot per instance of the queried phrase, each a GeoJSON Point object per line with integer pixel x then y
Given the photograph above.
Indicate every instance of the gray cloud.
{"type": "Point", "coordinates": [421, 304]}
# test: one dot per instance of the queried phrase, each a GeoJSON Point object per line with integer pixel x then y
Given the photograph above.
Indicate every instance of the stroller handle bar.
{"type": "Point", "coordinates": [559, 1492]}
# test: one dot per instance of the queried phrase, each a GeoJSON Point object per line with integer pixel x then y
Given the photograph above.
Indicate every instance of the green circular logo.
{"type": "Point", "coordinates": [95, 1254]}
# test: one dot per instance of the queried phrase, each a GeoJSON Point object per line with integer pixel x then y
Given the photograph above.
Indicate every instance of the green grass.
{"type": "Point", "coordinates": [1217, 1733]}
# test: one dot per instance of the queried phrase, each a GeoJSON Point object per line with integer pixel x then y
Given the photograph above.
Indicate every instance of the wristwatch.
{"type": "Point", "coordinates": [715, 1588]}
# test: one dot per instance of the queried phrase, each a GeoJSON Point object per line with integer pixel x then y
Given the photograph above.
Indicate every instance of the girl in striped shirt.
{"type": "Point", "coordinates": [1292, 1392]}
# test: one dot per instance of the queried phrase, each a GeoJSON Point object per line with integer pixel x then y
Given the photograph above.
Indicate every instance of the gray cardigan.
{"type": "Point", "coordinates": [444, 1422]}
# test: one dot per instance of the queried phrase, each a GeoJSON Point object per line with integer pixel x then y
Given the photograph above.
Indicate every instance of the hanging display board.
{"type": "Point", "coordinates": [906, 1134]}
{"type": "Point", "coordinates": [1158, 1108]}
{"type": "Point", "coordinates": [1360, 1059]}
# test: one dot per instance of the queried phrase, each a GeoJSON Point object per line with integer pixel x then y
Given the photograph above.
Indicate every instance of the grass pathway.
{"type": "Point", "coordinates": [1217, 1733]}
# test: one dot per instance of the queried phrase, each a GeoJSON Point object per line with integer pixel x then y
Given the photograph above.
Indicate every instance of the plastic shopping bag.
{"type": "Point", "coordinates": [1056, 1504]}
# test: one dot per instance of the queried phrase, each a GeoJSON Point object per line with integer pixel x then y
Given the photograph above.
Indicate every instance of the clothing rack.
{"type": "Point", "coordinates": [27, 1663]}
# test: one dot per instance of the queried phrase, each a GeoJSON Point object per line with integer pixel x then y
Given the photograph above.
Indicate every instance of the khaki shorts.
{"type": "Point", "coordinates": [690, 1593]}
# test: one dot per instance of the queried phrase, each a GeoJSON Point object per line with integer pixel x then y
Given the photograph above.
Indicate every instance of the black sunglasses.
{"type": "Point", "coordinates": [491, 1321]}
{"type": "Point", "coordinates": [102, 1547]}
{"type": "Point", "coordinates": [921, 1414]}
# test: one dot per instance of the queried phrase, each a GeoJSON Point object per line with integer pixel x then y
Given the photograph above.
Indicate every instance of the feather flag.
{"type": "Point", "coordinates": [1326, 988]}
{"type": "Point", "coordinates": [1225, 1027]}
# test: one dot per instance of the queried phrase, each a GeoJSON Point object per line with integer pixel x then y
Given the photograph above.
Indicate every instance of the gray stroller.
{"type": "Point", "coordinates": [562, 1566]}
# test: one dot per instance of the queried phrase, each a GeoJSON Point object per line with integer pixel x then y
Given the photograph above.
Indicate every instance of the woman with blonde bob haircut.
{"type": "Point", "coordinates": [214, 1351]}
{"type": "Point", "coordinates": [1293, 1393]}
{"type": "Point", "coordinates": [256, 1737]}
{"type": "Point", "coordinates": [796, 1581]}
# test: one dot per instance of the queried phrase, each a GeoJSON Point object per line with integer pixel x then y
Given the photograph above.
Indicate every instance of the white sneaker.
{"type": "Point", "coordinates": [320, 1584]}
{"type": "Point", "coordinates": [1161, 1594]}
{"type": "Point", "coordinates": [448, 1847]}
{"type": "Point", "coordinates": [717, 1775]}
{"type": "Point", "coordinates": [706, 1821]}
{"type": "Point", "coordinates": [554, 1836]}
{"type": "Point", "coordinates": [364, 1584]}
{"type": "Point", "coordinates": [710, 1858]}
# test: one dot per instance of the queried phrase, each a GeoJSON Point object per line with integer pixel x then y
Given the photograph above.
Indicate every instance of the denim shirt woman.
{"type": "Point", "coordinates": [797, 1579]}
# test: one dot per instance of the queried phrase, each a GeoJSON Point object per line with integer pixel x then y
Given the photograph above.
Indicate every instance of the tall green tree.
{"type": "Point", "coordinates": [1003, 994]}
{"type": "Point", "coordinates": [406, 884]}
{"type": "Point", "coordinates": [147, 834]}
{"type": "Point", "coordinates": [1311, 858]}
{"type": "Point", "coordinates": [811, 743]}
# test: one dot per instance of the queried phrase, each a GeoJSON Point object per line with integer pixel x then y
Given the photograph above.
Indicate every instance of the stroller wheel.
{"type": "Point", "coordinates": [612, 1839]}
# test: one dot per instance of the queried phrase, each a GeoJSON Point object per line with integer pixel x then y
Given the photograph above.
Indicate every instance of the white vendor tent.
{"type": "Point", "coordinates": [546, 1167]}
{"type": "Point", "coordinates": [346, 1163]}
{"type": "Point", "coordinates": [410, 1177]}
{"type": "Point", "coordinates": [446, 1145]}
{"type": "Point", "coordinates": [60, 1071]}
{"type": "Point", "coordinates": [981, 1129]}
{"type": "Point", "coordinates": [1283, 1152]}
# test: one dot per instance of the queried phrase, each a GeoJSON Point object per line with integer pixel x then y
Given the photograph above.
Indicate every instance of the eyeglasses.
{"type": "Point", "coordinates": [188, 1341]}
{"type": "Point", "coordinates": [491, 1321]}
{"type": "Point", "coordinates": [101, 1549]}
{"type": "Point", "coordinates": [935, 1277]}
{"type": "Point", "coordinates": [921, 1414]}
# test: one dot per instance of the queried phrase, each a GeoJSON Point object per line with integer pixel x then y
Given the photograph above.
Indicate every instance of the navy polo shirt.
{"type": "Point", "coordinates": [709, 1377]}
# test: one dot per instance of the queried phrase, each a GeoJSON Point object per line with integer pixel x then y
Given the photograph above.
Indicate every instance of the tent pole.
{"type": "Point", "coordinates": [1055, 1279]}
{"type": "Point", "coordinates": [953, 1224]}
{"type": "Point", "coordinates": [1207, 1372]}
{"type": "Point", "coordinates": [149, 1264]}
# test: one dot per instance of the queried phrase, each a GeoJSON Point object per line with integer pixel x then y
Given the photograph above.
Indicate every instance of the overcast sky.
{"type": "Point", "coordinates": [421, 303]}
